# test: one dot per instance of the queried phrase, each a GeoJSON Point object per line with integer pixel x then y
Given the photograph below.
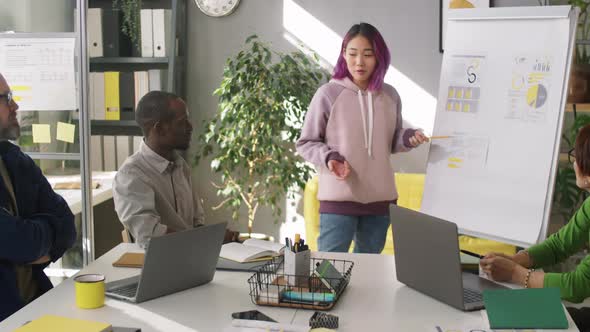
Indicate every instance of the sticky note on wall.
{"type": "Point", "coordinates": [41, 133]}
{"type": "Point", "coordinates": [65, 132]}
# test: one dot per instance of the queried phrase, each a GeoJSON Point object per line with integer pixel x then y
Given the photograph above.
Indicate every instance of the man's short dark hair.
{"type": "Point", "coordinates": [154, 107]}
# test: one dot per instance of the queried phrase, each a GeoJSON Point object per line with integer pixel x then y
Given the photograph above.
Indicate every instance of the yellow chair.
{"type": "Point", "coordinates": [410, 188]}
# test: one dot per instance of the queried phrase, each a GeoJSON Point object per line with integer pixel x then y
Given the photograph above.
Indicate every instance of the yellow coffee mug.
{"type": "Point", "coordinates": [89, 291]}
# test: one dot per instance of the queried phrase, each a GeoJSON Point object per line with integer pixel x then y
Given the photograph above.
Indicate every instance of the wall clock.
{"type": "Point", "coordinates": [217, 8]}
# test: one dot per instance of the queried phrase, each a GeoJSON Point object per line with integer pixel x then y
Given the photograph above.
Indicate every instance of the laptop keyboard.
{"type": "Point", "coordinates": [471, 296]}
{"type": "Point", "coordinates": [126, 291]}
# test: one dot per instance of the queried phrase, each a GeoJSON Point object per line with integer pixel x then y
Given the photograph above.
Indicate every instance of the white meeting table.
{"type": "Point", "coordinates": [373, 301]}
{"type": "Point", "coordinates": [74, 196]}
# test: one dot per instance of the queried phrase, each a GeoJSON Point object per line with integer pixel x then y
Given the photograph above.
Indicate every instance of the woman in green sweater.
{"type": "Point", "coordinates": [573, 237]}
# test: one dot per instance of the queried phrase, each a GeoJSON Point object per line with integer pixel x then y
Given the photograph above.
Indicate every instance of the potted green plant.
{"type": "Point", "coordinates": [263, 98]}
{"type": "Point", "coordinates": [131, 12]}
{"type": "Point", "coordinates": [579, 83]}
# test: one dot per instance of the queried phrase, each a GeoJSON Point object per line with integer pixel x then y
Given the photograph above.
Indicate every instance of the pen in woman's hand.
{"type": "Point", "coordinates": [466, 252]}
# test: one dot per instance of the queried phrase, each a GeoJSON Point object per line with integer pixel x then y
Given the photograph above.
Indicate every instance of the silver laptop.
{"type": "Point", "coordinates": [173, 262]}
{"type": "Point", "coordinates": [426, 251]}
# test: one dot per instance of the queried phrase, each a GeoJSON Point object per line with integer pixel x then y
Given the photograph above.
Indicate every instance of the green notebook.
{"type": "Point", "coordinates": [533, 308]}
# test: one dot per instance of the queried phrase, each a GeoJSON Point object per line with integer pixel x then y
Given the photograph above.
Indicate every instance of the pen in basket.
{"type": "Point", "coordinates": [298, 245]}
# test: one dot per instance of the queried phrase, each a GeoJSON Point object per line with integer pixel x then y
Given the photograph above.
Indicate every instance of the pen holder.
{"type": "Point", "coordinates": [297, 267]}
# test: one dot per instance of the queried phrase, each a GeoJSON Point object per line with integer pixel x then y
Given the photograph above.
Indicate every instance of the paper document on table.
{"type": "Point", "coordinates": [256, 325]}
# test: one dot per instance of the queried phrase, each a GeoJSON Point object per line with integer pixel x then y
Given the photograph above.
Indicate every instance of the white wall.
{"type": "Point", "coordinates": [37, 15]}
{"type": "Point", "coordinates": [410, 29]}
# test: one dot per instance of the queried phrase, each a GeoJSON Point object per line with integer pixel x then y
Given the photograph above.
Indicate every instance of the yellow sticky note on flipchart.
{"type": "Point", "coordinates": [41, 133]}
{"type": "Point", "coordinates": [468, 94]}
{"type": "Point", "coordinates": [65, 132]}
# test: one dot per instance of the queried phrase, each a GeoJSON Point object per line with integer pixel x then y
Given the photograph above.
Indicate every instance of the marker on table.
{"type": "Point", "coordinates": [466, 252]}
{"type": "Point", "coordinates": [440, 137]}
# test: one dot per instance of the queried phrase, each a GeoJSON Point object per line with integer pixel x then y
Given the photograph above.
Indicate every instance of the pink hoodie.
{"type": "Point", "coordinates": [364, 128]}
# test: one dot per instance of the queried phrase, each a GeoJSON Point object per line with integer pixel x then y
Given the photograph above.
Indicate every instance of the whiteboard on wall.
{"type": "Point", "coordinates": [499, 114]}
{"type": "Point", "coordinates": [40, 70]}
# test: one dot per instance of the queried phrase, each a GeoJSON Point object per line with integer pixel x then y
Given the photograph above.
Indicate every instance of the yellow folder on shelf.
{"type": "Point", "coordinates": [53, 323]}
{"type": "Point", "coordinates": [111, 96]}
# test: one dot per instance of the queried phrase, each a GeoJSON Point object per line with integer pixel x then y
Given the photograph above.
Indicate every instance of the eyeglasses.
{"type": "Point", "coordinates": [571, 157]}
{"type": "Point", "coordinates": [8, 97]}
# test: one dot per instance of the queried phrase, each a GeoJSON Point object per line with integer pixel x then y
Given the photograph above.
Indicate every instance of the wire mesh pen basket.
{"type": "Point", "coordinates": [270, 286]}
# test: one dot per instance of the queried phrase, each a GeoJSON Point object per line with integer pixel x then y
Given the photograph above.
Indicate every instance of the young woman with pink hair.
{"type": "Point", "coordinates": [353, 125]}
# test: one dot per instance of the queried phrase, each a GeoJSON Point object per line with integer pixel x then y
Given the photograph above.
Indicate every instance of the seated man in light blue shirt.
{"type": "Point", "coordinates": [153, 191]}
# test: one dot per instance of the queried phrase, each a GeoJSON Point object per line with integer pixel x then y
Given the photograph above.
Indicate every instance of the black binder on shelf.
{"type": "Point", "coordinates": [126, 95]}
{"type": "Point", "coordinates": [115, 42]}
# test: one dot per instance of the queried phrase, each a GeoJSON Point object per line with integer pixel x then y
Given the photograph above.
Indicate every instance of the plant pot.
{"type": "Point", "coordinates": [259, 236]}
{"type": "Point", "coordinates": [578, 90]}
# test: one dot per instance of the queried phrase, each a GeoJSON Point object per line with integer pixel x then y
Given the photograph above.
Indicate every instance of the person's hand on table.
{"type": "Point", "coordinates": [500, 267]}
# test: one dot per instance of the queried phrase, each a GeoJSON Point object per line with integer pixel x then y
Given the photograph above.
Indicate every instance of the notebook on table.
{"type": "Point", "coordinates": [135, 260]}
{"type": "Point", "coordinates": [130, 259]}
{"type": "Point", "coordinates": [532, 308]}
{"type": "Point", "coordinates": [229, 265]}
{"type": "Point", "coordinates": [251, 250]}
{"type": "Point", "coordinates": [53, 323]}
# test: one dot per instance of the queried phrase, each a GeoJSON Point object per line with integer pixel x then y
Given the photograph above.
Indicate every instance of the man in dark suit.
{"type": "Point", "coordinates": [36, 224]}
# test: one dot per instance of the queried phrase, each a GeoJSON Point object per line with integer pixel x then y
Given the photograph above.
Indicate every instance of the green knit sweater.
{"type": "Point", "coordinates": [575, 285]}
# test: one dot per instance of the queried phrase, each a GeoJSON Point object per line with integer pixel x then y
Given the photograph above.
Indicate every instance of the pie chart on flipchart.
{"type": "Point", "coordinates": [536, 96]}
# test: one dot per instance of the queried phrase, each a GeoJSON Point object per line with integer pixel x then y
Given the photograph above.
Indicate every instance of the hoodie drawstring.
{"type": "Point", "coordinates": [369, 119]}
{"type": "Point", "coordinates": [360, 95]}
